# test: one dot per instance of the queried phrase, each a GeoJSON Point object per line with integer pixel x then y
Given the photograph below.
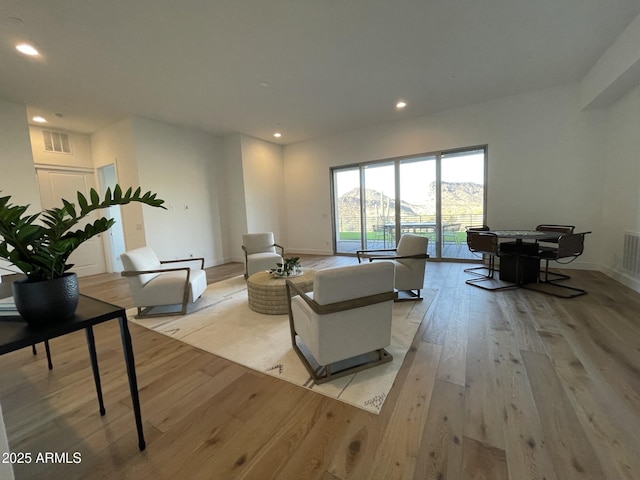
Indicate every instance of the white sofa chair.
{"type": "Point", "coordinates": [154, 283]}
{"type": "Point", "coordinates": [260, 252]}
{"type": "Point", "coordinates": [410, 262]}
{"type": "Point", "coordinates": [345, 323]}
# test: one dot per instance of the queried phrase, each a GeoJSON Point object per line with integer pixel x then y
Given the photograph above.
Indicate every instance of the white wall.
{"type": "Point", "coordinates": [621, 180]}
{"type": "Point", "coordinates": [115, 145]}
{"type": "Point", "coordinates": [17, 173]}
{"type": "Point", "coordinates": [235, 198]}
{"type": "Point", "coordinates": [545, 164]}
{"type": "Point", "coordinates": [18, 177]}
{"type": "Point", "coordinates": [263, 174]}
{"type": "Point", "coordinates": [174, 163]}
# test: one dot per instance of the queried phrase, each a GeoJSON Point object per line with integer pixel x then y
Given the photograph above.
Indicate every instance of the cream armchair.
{"type": "Point", "coordinates": [155, 283]}
{"type": "Point", "coordinates": [410, 261]}
{"type": "Point", "coordinates": [345, 323]}
{"type": "Point", "coordinates": [260, 252]}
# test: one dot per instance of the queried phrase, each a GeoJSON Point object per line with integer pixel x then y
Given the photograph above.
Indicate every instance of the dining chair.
{"type": "Point", "coordinates": [450, 233]}
{"type": "Point", "coordinates": [487, 244]}
{"type": "Point", "coordinates": [547, 227]}
{"type": "Point", "coordinates": [475, 270]}
{"type": "Point", "coordinates": [570, 246]}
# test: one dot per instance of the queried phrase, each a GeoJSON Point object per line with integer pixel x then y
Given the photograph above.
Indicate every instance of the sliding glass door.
{"type": "Point", "coordinates": [462, 196]}
{"type": "Point", "coordinates": [347, 207]}
{"type": "Point", "coordinates": [435, 195]}
{"type": "Point", "coordinates": [418, 202]}
{"type": "Point", "coordinates": [379, 205]}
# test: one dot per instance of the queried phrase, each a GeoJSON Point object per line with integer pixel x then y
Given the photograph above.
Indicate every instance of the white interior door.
{"type": "Point", "coordinates": [114, 238]}
{"type": "Point", "coordinates": [55, 185]}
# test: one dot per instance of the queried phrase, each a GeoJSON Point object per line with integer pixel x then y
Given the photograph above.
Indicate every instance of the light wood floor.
{"type": "Point", "coordinates": [498, 385]}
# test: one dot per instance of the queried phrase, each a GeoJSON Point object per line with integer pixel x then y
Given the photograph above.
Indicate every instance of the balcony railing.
{"type": "Point", "coordinates": [380, 232]}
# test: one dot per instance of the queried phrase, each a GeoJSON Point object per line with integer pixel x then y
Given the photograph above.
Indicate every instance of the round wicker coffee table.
{"type": "Point", "coordinates": [268, 294]}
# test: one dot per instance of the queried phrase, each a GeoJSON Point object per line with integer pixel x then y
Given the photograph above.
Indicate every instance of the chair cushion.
{"type": "Point", "coordinates": [168, 288]}
{"type": "Point", "coordinates": [258, 242]}
{"type": "Point", "coordinates": [344, 283]}
{"type": "Point", "coordinates": [342, 335]}
{"type": "Point", "coordinates": [141, 259]}
{"type": "Point", "coordinates": [259, 262]}
{"type": "Point", "coordinates": [411, 245]}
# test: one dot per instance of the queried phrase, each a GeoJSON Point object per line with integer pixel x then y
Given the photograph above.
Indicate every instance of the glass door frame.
{"type": "Point", "coordinates": [397, 161]}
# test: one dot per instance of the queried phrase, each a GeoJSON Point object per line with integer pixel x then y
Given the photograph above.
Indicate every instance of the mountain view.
{"type": "Point", "coordinates": [458, 200]}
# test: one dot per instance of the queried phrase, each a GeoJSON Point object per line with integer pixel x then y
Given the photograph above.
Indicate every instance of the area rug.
{"type": "Point", "coordinates": [223, 324]}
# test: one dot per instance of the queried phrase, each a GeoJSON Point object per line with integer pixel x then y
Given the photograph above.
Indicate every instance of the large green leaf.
{"type": "Point", "coordinates": [42, 251]}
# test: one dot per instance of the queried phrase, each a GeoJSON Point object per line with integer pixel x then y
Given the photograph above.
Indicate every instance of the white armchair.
{"type": "Point", "coordinates": [154, 283]}
{"type": "Point", "coordinates": [410, 261]}
{"type": "Point", "coordinates": [345, 323]}
{"type": "Point", "coordinates": [260, 252]}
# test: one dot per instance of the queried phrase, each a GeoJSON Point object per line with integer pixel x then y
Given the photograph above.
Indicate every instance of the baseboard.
{"type": "Point", "coordinates": [622, 277]}
{"type": "Point", "coordinates": [216, 262]}
{"type": "Point", "coordinates": [306, 251]}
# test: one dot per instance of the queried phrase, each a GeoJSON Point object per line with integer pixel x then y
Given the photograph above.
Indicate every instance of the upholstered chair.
{"type": "Point", "coordinates": [260, 252]}
{"type": "Point", "coordinates": [155, 283]}
{"type": "Point", "coordinates": [410, 261]}
{"type": "Point", "coordinates": [345, 323]}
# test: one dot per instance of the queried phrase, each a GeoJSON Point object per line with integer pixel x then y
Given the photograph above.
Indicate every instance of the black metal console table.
{"type": "Point", "coordinates": [15, 334]}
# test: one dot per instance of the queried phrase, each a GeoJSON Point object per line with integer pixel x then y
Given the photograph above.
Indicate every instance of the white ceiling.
{"type": "Point", "coordinates": [331, 65]}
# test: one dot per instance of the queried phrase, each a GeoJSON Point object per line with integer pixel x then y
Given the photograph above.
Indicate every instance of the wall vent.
{"type": "Point", "coordinates": [56, 142]}
{"type": "Point", "coordinates": [631, 253]}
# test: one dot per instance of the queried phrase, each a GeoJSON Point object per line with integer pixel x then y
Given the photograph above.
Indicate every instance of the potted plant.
{"type": "Point", "coordinates": [41, 249]}
{"type": "Point", "coordinates": [289, 267]}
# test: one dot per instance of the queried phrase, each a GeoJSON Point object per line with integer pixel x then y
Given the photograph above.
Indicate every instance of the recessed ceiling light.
{"type": "Point", "coordinates": [27, 49]}
{"type": "Point", "coordinates": [277, 134]}
{"type": "Point", "coordinates": [39, 119]}
{"type": "Point", "coordinates": [401, 104]}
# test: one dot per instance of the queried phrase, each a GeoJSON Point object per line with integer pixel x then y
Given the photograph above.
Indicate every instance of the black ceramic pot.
{"type": "Point", "coordinates": [47, 301]}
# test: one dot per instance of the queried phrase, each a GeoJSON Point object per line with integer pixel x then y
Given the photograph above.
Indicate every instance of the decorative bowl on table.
{"type": "Point", "coordinates": [278, 273]}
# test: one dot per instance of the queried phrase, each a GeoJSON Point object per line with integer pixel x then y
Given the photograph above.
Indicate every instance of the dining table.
{"type": "Point", "coordinates": [518, 248]}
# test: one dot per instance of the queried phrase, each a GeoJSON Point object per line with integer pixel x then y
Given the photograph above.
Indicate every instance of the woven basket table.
{"type": "Point", "coordinates": [268, 294]}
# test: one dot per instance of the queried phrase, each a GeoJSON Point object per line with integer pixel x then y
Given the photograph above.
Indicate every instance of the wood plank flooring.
{"type": "Point", "coordinates": [512, 385]}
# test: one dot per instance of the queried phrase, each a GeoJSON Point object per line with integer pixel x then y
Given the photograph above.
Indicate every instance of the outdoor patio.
{"type": "Point", "coordinates": [449, 249]}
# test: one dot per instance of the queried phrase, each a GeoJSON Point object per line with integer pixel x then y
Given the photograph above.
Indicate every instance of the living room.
{"type": "Point", "coordinates": [556, 138]}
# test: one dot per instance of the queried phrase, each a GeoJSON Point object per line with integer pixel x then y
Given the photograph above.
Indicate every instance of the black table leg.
{"type": "Point", "coordinates": [91, 343]}
{"type": "Point", "coordinates": [133, 381]}
{"type": "Point", "coordinates": [48, 350]}
{"type": "Point", "coordinates": [46, 347]}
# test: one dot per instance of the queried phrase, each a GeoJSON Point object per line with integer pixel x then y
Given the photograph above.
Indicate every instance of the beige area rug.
{"type": "Point", "coordinates": [223, 324]}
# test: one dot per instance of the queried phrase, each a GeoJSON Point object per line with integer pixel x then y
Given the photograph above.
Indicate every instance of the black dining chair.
{"type": "Point", "coordinates": [473, 249]}
{"type": "Point", "coordinates": [557, 229]}
{"type": "Point", "coordinates": [563, 229]}
{"type": "Point", "coordinates": [551, 245]}
{"type": "Point", "coordinates": [570, 246]}
{"type": "Point", "coordinates": [486, 243]}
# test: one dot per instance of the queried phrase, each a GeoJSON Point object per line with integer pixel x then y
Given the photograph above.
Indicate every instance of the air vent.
{"type": "Point", "coordinates": [56, 142]}
{"type": "Point", "coordinates": [631, 253]}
